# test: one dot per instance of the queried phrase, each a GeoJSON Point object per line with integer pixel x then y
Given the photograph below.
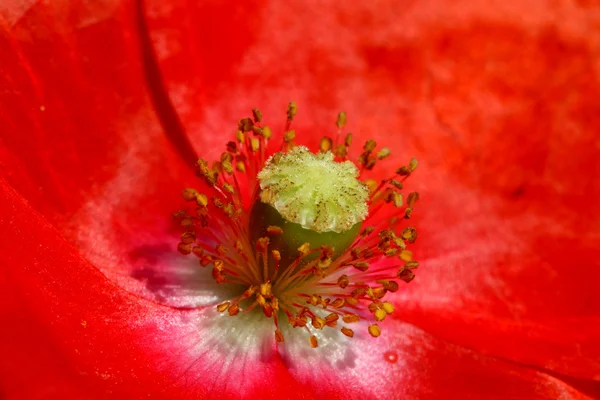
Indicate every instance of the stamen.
{"type": "Point", "coordinates": [296, 244]}
{"type": "Point", "coordinates": [374, 330]}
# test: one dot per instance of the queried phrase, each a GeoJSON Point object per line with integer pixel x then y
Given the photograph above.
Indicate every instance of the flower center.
{"type": "Point", "coordinates": [313, 190]}
{"type": "Point", "coordinates": [290, 230]}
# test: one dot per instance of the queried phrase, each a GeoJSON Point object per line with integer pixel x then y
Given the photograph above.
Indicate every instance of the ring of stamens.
{"type": "Point", "coordinates": [316, 290]}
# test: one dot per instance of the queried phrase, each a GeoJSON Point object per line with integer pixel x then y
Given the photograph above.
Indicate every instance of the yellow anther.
{"type": "Point", "coordinates": [184, 248]}
{"type": "Point", "coordinates": [391, 252]}
{"type": "Point", "coordinates": [276, 254]}
{"type": "Point", "coordinates": [257, 130]}
{"type": "Point", "coordinates": [391, 286]}
{"type": "Point", "coordinates": [250, 291]}
{"type": "Point", "coordinates": [371, 185]}
{"type": "Point", "coordinates": [343, 281]}
{"type": "Point", "coordinates": [369, 145]}
{"type": "Point", "coordinates": [278, 336]}
{"type": "Point", "coordinates": [377, 293]}
{"type": "Point", "coordinates": [240, 166]}
{"type": "Point", "coordinates": [409, 234]}
{"type": "Point", "coordinates": [245, 124]}
{"type": "Point", "coordinates": [256, 114]}
{"type": "Point", "coordinates": [239, 135]}
{"type": "Point", "coordinates": [325, 144]}
{"type": "Point", "coordinates": [324, 262]}
{"type": "Point", "coordinates": [379, 315]}
{"type": "Point", "coordinates": [218, 265]}
{"type": "Point", "coordinates": [350, 318]}
{"type": "Point", "coordinates": [188, 237]}
{"type": "Point", "coordinates": [223, 306]}
{"type": "Point", "coordinates": [217, 274]}
{"type": "Point", "coordinates": [227, 156]}
{"type": "Point", "coordinates": [261, 300]}
{"type": "Point", "coordinates": [234, 309]}
{"type": "Point", "coordinates": [388, 307]}
{"type": "Point", "coordinates": [266, 132]}
{"type": "Point", "coordinates": [397, 184]}
{"type": "Point", "coordinates": [406, 255]}
{"type": "Point", "coordinates": [367, 231]}
{"type": "Point", "coordinates": [265, 289]}
{"type": "Point", "coordinates": [314, 343]}
{"type": "Point", "coordinates": [318, 323]}
{"type": "Point", "coordinates": [348, 140]}
{"type": "Point", "coordinates": [341, 120]}
{"type": "Point", "coordinates": [262, 243]}
{"type": "Point", "coordinates": [202, 212]}
{"type": "Point", "coordinates": [331, 320]}
{"type": "Point", "coordinates": [412, 165]}
{"type": "Point", "coordinates": [406, 274]}
{"type": "Point", "coordinates": [304, 249]}
{"type": "Point", "coordinates": [229, 209]}
{"type": "Point", "coordinates": [228, 188]}
{"type": "Point", "coordinates": [232, 147]}
{"type": "Point", "coordinates": [412, 198]}
{"type": "Point", "coordinates": [361, 266]}
{"type": "Point", "coordinates": [340, 151]}
{"type": "Point", "coordinates": [291, 111]}
{"type": "Point", "coordinates": [351, 301]}
{"type": "Point", "coordinates": [370, 163]}
{"type": "Point", "coordinates": [189, 194]}
{"type": "Point", "coordinates": [374, 330]}
{"type": "Point", "coordinates": [363, 159]}
{"type": "Point", "coordinates": [338, 303]}
{"type": "Point", "coordinates": [205, 260]}
{"type": "Point", "coordinates": [254, 144]}
{"type": "Point", "coordinates": [227, 166]}
{"type": "Point", "coordinates": [324, 302]}
{"type": "Point", "coordinates": [400, 243]}
{"type": "Point", "coordinates": [314, 300]}
{"type": "Point", "coordinates": [274, 230]}
{"type": "Point", "coordinates": [179, 215]}
{"type": "Point", "coordinates": [412, 264]}
{"type": "Point", "coordinates": [403, 171]}
{"type": "Point", "coordinates": [397, 199]}
{"type": "Point", "coordinates": [348, 332]}
{"type": "Point", "coordinates": [300, 322]}
{"type": "Point", "coordinates": [383, 153]}
{"type": "Point", "coordinates": [289, 136]}
{"type": "Point", "coordinates": [220, 249]}
{"type": "Point", "coordinates": [275, 303]}
{"type": "Point", "coordinates": [198, 251]}
{"type": "Point", "coordinates": [217, 202]}
{"type": "Point", "coordinates": [238, 246]}
{"type": "Point", "coordinates": [387, 234]}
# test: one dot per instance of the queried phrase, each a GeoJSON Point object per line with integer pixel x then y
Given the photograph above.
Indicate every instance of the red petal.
{"type": "Point", "coordinates": [100, 341]}
{"type": "Point", "coordinates": [76, 332]}
{"type": "Point", "coordinates": [501, 110]}
{"type": "Point", "coordinates": [509, 230]}
{"type": "Point", "coordinates": [406, 362]}
{"type": "Point", "coordinates": [84, 145]}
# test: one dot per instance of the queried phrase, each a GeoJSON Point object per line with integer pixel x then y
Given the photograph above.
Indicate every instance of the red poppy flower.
{"type": "Point", "coordinates": [498, 102]}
